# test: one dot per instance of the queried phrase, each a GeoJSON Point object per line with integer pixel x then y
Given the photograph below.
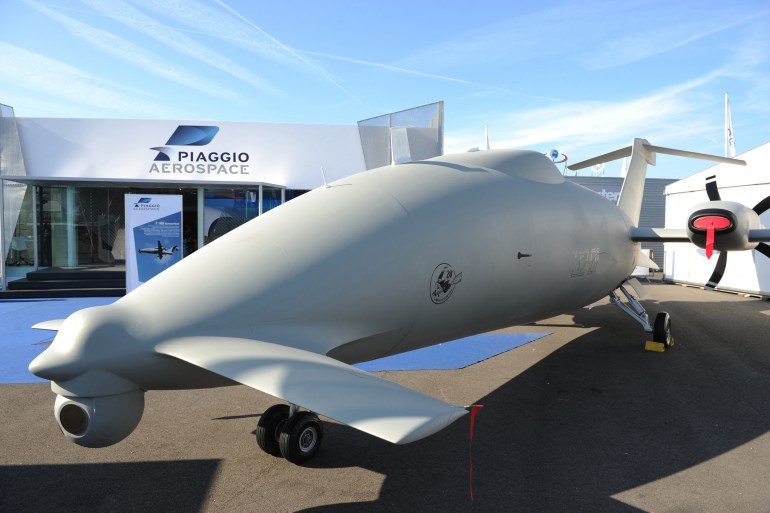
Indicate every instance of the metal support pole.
{"type": "Point", "coordinates": [72, 239]}
{"type": "Point", "coordinates": [638, 313]}
{"type": "Point", "coordinates": [3, 279]}
{"type": "Point", "coordinates": [201, 214]}
{"type": "Point", "coordinates": [35, 262]}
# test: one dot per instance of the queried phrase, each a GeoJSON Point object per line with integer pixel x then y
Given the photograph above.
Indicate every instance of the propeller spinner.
{"type": "Point", "coordinates": [717, 224]}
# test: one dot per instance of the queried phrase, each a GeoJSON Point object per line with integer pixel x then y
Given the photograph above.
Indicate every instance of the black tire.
{"type": "Point", "coordinates": [269, 428]}
{"type": "Point", "coordinates": [301, 437]}
{"type": "Point", "coordinates": [661, 330]}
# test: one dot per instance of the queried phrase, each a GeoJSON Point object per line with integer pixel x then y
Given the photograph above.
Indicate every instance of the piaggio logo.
{"type": "Point", "coordinates": [179, 157]}
{"type": "Point", "coordinates": [146, 204]}
{"type": "Point", "coordinates": [185, 135]}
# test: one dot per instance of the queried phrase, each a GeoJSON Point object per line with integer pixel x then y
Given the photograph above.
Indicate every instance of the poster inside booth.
{"type": "Point", "coordinates": [153, 236]}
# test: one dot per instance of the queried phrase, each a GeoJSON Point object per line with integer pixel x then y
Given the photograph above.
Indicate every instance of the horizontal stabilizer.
{"type": "Point", "coordinates": [53, 325]}
{"type": "Point", "coordinates": [694, 155]}
{"type": "Point", "coordinates": [658, 235]}
{"type": "Point", "coordinates": [759, 235]}
{"type": "Point", "coordinates": [626, 152]}
{"type": "Point", "coordinates": [677, 235]}
{"type": "Point", "coordinates": [320, 384]}
{"type": "Point", "coordinates": [601, 159]}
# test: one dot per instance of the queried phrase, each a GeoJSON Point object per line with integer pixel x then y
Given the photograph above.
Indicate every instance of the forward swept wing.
{"type": "Point", "coordinates": [321, 384]}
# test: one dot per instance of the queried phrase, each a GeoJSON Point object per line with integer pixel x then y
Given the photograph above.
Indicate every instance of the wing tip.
{"type": "Point", "coordinates": [52, 325]}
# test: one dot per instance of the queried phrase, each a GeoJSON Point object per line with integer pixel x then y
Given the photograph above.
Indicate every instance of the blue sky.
{"type": "Point", "coordinates": [584, 77]}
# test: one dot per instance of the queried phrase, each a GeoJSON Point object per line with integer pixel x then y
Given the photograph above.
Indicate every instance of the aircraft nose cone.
{"type": "Point", "coordinates": [48, 365]}
{"type": "Point", "coordinates": [93, 339]}
{"type": "Point", "coordinates": [38, 366]}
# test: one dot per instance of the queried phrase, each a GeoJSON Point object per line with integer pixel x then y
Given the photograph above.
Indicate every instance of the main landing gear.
{"type": "Point", "coordinates": [284, 431]}
{"type": "Point", "coordinates": [660, 329]}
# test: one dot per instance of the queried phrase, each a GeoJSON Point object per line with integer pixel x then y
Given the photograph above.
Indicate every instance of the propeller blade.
{"type": "Point", "coordinates": [719, 270]}
{"type": "Point", "coordinates": [764, 248]}
{"type": "Point", "coordinates": [762, 206]}
{"type": "Point", "coordinates": [711, 188]}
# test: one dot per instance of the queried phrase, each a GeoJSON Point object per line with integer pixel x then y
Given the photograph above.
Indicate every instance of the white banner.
{"type": "Point", "coordinates": [208, 153]}
{"type": "Point", "coordinates": [153, 236]}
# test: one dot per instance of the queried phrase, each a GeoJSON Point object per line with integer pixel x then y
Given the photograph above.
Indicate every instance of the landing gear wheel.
{"type": "Point", "coordinates": [661, 330]}
{"type": "Point", "coordinates": [301, 437]}
{"type": "Point", "coordinates": [269, 428]}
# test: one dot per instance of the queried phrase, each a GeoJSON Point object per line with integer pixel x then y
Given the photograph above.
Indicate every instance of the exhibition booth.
{"type": "Point", "coordinates": [64, 181]}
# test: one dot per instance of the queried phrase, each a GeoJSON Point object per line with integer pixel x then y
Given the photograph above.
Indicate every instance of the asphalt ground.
{"type": "Point", "coordinates": [583, 420]}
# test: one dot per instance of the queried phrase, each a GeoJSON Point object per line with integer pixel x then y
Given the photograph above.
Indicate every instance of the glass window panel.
{"type": "Point", "coordinates": [271, 198]}
{"type": "Point", "coordinates": [294, 193]}
{"type": "Point", "coordinates": [18, 230]}
{"type": "Point", "coordinates": [226, 209]}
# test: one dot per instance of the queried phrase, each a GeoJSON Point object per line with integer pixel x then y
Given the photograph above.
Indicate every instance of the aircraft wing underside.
{"type": "Point", "coordinates": [320, 384]}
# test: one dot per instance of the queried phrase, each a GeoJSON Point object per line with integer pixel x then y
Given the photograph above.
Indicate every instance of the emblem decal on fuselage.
{"type": "Point", "coordinates": [443, 282]}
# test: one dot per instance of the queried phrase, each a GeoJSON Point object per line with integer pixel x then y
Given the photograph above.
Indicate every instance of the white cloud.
{"type": "Point", "coordinates": [30, 71]}
{"type": "Point", "coordinates": [134, 54]}
{"type": "Point", "coordinates": [231, 25]}
{"type": "Point", "coordinates": [541, 34]}
{"type": "Point", "coordinates": [126, 14]}
{"type": "Point", "coordinates": [590, 124]}
{"type": "Point", "coordinates": [659, 39]}
{"type": "Point", "coordinates": [406, 71]}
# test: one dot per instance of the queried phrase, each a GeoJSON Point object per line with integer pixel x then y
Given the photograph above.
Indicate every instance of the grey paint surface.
{"type": "Point", "coordinates": [355, 271]}
{"type": "Point", "coordinates": [653, 213]}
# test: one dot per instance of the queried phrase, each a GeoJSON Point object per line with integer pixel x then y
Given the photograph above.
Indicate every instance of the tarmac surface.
{"type": "Point", "coordinates": [583, 420]}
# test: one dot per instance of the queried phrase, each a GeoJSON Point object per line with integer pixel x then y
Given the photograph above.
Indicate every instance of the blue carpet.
{"type": "Point", "coordinates": [456, 354]}
{"type": "Point", "coordinates": [20, 344]}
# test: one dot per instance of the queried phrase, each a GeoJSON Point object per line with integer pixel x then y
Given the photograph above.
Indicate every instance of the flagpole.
{"type": "Point", "coordinates": [725, 129]}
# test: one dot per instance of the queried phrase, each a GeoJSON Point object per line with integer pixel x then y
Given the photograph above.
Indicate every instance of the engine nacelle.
{"type": "Point", "coordinates": [729, 223]}
{"type": "Point", "coordinates": [99, 421]}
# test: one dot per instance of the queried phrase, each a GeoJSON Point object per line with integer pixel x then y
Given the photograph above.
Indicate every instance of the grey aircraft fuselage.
{"type": "Point", "coordinates": [381, 262]}
{"type": "Point", "coordinates": [348, 270]}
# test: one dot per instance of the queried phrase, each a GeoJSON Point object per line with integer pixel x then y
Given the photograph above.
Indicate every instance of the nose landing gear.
{"type": "Point", "coordinates": [661, 329]}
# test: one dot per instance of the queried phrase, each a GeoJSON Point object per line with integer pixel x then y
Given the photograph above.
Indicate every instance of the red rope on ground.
{"type": "Point", "coordinates": [474, 410]}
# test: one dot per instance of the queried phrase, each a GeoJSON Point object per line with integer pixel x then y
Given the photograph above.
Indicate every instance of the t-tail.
{"type": "Point", "coordinates": [642, 153]}
{"type": "Point", "coordinates": [714, 225]}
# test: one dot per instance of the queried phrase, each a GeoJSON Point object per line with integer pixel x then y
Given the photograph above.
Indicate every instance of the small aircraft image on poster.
{"type": "Point", "coordinates": [379, 263]}
{"type": "Point", "coordinates": [159, 251]}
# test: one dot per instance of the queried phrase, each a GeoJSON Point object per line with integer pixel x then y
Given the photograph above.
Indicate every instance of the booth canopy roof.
{"type": "Point", "coordinates": [187, 152]}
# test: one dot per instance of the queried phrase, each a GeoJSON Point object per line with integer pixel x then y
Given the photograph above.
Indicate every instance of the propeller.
{"type": "Point", "coordinates": [712, 190]}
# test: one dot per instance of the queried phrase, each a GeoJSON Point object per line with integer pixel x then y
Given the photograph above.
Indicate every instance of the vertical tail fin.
{"type": "Point", "coordinates": [631, 193]}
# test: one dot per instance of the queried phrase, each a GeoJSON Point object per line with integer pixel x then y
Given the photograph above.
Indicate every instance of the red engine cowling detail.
{"type": "Point", "coordinates": [722, 226]}
{"type": "Point", "coordinates": [711, 223]}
